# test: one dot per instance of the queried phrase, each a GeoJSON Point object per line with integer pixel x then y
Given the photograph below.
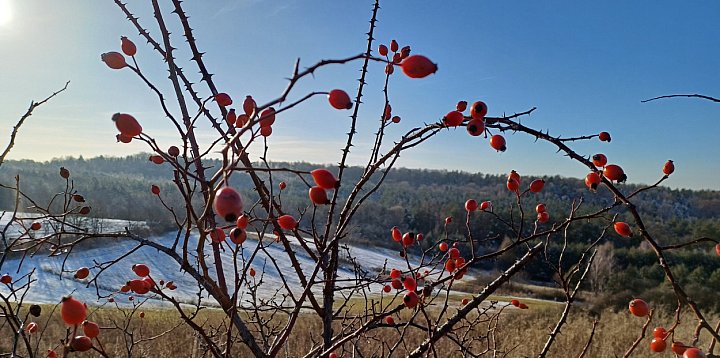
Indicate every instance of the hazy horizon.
{"type": "Point", "coordinates": [328, 164]}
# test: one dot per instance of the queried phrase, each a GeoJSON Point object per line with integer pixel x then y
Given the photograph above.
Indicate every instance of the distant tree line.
{"type": "Point", "coordinates": [419, 200]}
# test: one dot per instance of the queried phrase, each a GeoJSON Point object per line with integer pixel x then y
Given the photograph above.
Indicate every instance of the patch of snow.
{"type": "Point", "coordinates": [53, 276]}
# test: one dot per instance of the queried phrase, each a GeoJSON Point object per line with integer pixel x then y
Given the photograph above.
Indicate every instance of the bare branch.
{"type": "Point", "coordinates": [683, 95]}
{"type": "Point", "coordinates": [27, 114]}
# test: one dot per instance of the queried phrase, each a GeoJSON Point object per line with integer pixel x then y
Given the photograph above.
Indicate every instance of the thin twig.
{"type": "Point", "coordinates": [683, 95]}
{"type": "Point", "coordinates": [27, 114]}
{"type": "Point", "coordinates": [589, 341]}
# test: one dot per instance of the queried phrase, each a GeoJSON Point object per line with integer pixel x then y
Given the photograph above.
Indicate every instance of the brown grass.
{"type": "Point", "coordinates": [518, 333]}
{"type": "Point", "coordinates": [527, 332]}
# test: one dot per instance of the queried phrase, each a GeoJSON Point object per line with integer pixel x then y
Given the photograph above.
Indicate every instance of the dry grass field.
{"type": "Point", "coordinates": [517, 333]}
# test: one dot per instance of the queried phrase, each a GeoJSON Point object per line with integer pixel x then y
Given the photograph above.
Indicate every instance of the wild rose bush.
{"type": "Point", "coordinates": [354, 314]}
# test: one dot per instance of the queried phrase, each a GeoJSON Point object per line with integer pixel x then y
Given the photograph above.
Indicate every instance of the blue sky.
{"type": "Point", "coordinates": [585, 65]}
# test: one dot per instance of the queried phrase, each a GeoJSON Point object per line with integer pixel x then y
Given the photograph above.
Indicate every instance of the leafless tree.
{"type": "Point", "coordinates": [602, 268]}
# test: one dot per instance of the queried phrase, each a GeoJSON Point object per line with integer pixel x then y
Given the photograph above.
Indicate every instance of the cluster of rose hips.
{"type": "Point", "coordinates": [324, 180]}
{"type": "Point", "coordinates": [116, 60]}
{"type": "Point", "coordinates": [337, 98]}
{"type": "Point", "coordinates": [144, 283]}
{"type": "Point", "coordinates": [513, 183]}
{"type": "Point", "coordinates": [406, 239]}
{"type": "Point", "coordinates": [228, 204]}
{"type": "Point", "coordinates": [454, 264]}
{"type": "Point", "coordinates": [237, 234]}
{"type": "Point", "coordinates": [398, 54]}
{"type": "Point", "coordinates": [640, 308]}
{"type": "Point", "coordinates": [612, 172]}
{"type": "Point", "coordinates": [409, 282]}
{"type": "Point", "coordinates": [476, 122]}
{"type": "Point", "coordinates": [415, 66]}
{"type": "Point", "coordinates": [266, 117]}
{"type": "Point", "coordinates": [128, 127]}
{"type": "Point", "coordinates": [74, 313]}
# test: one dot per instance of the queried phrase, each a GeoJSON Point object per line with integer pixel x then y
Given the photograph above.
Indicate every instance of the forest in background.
{"type": "Point", "coordinates": [419, 200]}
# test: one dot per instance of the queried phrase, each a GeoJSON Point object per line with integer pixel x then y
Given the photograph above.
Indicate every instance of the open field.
{"type": "Point", "coordinates": [517, 333]}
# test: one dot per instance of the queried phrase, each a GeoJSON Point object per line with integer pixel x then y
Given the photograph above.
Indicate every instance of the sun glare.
{"type": "Point", "coordinates": [5, 12]}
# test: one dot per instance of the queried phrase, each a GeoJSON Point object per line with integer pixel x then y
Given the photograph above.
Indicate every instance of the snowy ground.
{"type": "Point", "coordinates": [54, 275]}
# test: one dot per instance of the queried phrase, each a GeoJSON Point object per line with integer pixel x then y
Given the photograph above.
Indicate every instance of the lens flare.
{"type": "Point", "coordinates": [5, 12]}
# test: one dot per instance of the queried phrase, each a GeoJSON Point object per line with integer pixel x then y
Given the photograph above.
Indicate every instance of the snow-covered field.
{"type": "Point", "coordinates": [54, 275]}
